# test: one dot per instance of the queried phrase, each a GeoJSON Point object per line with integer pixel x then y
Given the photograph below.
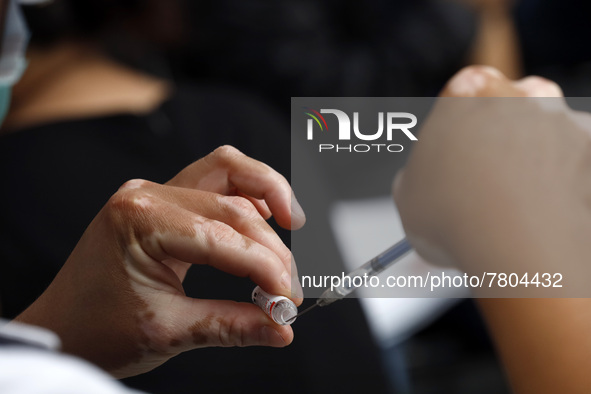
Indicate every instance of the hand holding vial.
{"type": "Point", "coordinates": [119, 301]}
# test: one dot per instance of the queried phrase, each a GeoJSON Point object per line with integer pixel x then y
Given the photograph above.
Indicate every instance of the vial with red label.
{"type": "Point", "coordinates": [280, 309]}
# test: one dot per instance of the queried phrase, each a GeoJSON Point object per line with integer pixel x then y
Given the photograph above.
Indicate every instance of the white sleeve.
{"type": "Point", "coordinates": [30, 364]}
{"type": "Point", "coordinates": [25, 370]}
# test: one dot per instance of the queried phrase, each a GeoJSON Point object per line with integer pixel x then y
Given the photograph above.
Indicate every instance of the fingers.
{"type": "Point", "coordinates": [219, 245]}
{"type": "Point", "coordinates": [534, 86]}
{"type": "Point", "coordinates": [205, 323]}
{"type": "Point", "coordinates": [477, 81]}
{"type": "Point", "coordinates": [260, 205]}
{"type": "Point", "coordinates": [229, 171]}
{"type": "Point", "coordinates": [484, 81]}
{"type": "Point", "coordinates": [175, 224]}
{"type": "Point", "coordinates": [238, 212]}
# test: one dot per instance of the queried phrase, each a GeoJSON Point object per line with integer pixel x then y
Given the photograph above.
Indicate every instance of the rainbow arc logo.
{"type": "Point", "coordinates": [316, 115]}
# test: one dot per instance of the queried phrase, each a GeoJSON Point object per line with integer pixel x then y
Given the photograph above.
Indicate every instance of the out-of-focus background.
{"type": "Point", "coordinates": [120, 89]}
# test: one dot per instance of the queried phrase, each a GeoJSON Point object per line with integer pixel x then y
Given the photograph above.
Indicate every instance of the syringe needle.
{"type": "Point", "coordinates": [302, 312]}
{"type": "Point", "coordinates": [371, 268]}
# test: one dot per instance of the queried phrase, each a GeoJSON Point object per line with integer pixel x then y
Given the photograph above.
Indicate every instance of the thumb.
{"type": "Point", "coordinates": [205, 323]}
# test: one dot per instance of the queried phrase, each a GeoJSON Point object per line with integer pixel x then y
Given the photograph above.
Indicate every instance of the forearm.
{"type": "Point", "coordinates": [503, 186]}
{"type": "Point", "coordinates": [545, 344]}
{"type": "Point", "coordinates": [496, 43]}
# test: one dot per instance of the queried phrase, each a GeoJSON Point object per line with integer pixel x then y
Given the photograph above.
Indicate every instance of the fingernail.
{"type": "Point", "coordinates": [298, 217]}
{"type": "Point", "coordinates": [269, 336]}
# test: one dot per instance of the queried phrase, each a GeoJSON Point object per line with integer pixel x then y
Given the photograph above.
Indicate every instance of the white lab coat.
{"type": "Point", "coordinates": [31, 364]}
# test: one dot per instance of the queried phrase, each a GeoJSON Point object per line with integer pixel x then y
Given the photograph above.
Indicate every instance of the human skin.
{"type": "Point", "coordinates": [508, 187]}
{"type": "Point", "coordinates": [496, 42]}
{"type": "Point", "coordinates": [118, 301]}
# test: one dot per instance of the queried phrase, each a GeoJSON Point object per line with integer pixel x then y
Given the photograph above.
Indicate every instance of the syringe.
{"type": "Point", "coordinates": [372, 268]}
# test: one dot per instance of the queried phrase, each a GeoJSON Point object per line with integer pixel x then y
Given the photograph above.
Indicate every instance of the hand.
{"type": "Point", "coordinates": [119, 302]}
{"type": "Point", "coordinates": [506, 183]}
{"type": "Point", "coordinates": [499, 183]}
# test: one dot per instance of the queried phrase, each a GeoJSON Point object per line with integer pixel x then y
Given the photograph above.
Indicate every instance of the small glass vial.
{"type": "Point", "coordinates": [279, 308]}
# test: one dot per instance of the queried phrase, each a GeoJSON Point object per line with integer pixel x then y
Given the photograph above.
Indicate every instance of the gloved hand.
{"type": "Point", "coordinates": [119, 302]}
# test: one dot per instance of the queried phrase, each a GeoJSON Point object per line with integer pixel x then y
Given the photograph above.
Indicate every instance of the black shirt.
{"type": "Point", "coordinates": [56, 177]}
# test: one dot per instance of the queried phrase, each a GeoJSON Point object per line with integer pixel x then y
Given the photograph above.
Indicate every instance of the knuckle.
{"type": "Point", "coordinates": [541, 87]}
{"type": "Point", "coordinates": [269, 263]}
{"type": "Point", "coordinates": [225, 154]}
{"type": "Point", "coordinates": [129, 205]}
{"type": "Point", "coordinates": [286, 255]}
{"type": "Point", "coordinates": [279, 180]}
{"type": "Point", "coordinates": [132, 195]}
{"type": "Point", "coordinates": [487, 72]}
{"type": "Point", "coordinates": [474, 80]}
{"type": "Point", "coordinates": [134, 184]}
{"type": "Point", "coordinates": [239, 207]}
{"type": "Point", "coordinates": [218, 233]}
{"type": "Point", "coordinates": [120, 201]}
{"type": "Point", "coordinates": [130, 200]}
{"type": "Point", "coordinates": [231, 332]}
